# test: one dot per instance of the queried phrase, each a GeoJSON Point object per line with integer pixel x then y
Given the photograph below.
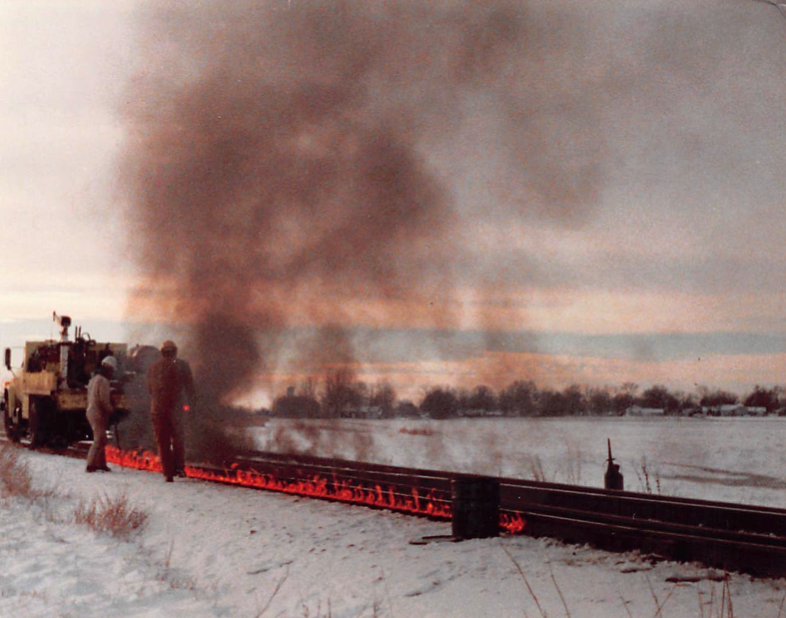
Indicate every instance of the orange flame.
{"type": "Point", "coordinates": [316, 487]}
{"type": "Point", "coordinates": [513, 524]}
{"type": "Point", "coordinates": [144, 460]}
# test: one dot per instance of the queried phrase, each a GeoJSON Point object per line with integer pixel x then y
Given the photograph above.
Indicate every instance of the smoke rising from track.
{"type": "Point", "coordinates": [294, 169]}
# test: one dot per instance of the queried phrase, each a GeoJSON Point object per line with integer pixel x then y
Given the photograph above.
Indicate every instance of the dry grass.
{"type": "Point", "coordinates": [723, 608]}
{"type": "Point", "coordinates": [417, 431]}
{"type": "Point", "coordinates": [274, 593]}
{"type": "Point", "coordinates": [525, 580]}
{"type": "Point", "coordinates": [113, 516]}
{"type": "Point", "coordinates": [15, 478]}
{"type": "Point", "coordinates": [536, 468]}
{"type": "Point", "coordinates": [573, 465]}
{"type": "Point", "coordinates": [719, 605]}
{"type": "Point", "coordinates": [644, 478]}
{"type": "Point", "coordinates": [167, 574]}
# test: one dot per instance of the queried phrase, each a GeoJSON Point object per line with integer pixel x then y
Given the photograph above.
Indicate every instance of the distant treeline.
{"type": "Point", "coordinates": [340, 395]}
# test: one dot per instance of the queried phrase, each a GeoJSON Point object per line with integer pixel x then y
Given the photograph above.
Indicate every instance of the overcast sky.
{"type": "Point", "coordinates": [675, 272]}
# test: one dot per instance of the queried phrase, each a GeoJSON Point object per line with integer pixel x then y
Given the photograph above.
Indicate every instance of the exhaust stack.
{"type": "Point", "coordinates": [64, 321]}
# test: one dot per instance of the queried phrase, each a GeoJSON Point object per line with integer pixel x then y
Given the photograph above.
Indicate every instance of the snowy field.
{"type": "Point", "coordinates": [732, 459]}
{"type": "Point", "coordinates": [216, 551]}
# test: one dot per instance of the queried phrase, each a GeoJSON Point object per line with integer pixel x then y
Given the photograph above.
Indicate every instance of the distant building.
{"type": "Point", "coordinates": [727, 409]}
{"type": "Point", "coordinates": [733, 409]}
{"type": "Point", "coordinates": [691, 412]}
{"type": "Point", "coordinates": [362, 412]}
{"type": "Point", "coordinates": [639, 411]}
{"type": "Point", "coordinates": [472, 413]}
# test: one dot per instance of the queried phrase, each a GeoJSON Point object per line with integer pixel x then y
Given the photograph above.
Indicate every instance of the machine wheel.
{"type": "Point", "coordinates": [11, 428]}
{"type": "Point", "coordinates": [39, 421]}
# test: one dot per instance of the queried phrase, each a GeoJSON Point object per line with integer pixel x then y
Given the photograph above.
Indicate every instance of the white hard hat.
{"type": "Point", "coordinates": [110, 361]}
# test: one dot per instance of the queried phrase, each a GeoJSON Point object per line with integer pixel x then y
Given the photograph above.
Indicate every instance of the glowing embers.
{"type": "Point", "coordinates": [314, 487]}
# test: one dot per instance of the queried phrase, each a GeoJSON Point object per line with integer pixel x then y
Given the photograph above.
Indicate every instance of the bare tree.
{"type": "Point", "coordinates": [716, 397]}
{"type": "Point", "coordinates": [483, 398]}
{"type": "Point", "coordinates": [440, 403]}
{"type": "Point", "coordinates": [625, 397]}
{"type": "Point", "coordinates": [384, 396]}
{"type": "Point", "coordinates": [518, 398]}
{"type": "Point", "coordinates": [575, 401]}
{"type": "Point", "coordinates": [360, 396]}
{"type": "Point", "coordinates": [658, 396]}
{"type": "Point", "coordinates": [599, 400]}
{"type": "Point", "coordinates": [762, 397]}
{"type": "Point", "coordinates": [338, 393]}
{"type": "Point", "coordinates": [309, 387]}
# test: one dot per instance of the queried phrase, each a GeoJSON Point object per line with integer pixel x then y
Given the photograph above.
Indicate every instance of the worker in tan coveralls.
{"type": "Point", "coordinates": [171, 387]}
{"type": "Point", "coordinates": [99, 409]}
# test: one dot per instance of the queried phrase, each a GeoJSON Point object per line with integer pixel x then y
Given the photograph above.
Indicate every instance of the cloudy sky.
{"type": "Point", "coordinates": [608, 176]}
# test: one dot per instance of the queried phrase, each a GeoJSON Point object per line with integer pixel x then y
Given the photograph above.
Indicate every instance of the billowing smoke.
{"type": "Point", "coordinates": [298, 168]}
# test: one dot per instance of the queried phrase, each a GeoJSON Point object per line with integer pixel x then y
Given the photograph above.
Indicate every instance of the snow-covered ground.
{"type": "Point", "coordinates": [211, 550]}
{"type": "Point", "coordinates": [728, 459]}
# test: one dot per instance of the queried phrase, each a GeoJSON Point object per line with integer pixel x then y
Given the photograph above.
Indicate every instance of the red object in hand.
{"type": "Point", "coordinates": [186, 408]}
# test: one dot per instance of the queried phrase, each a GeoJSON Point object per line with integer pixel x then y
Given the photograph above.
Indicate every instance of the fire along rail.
{"type": "Point", "coordinates": [735, 537]}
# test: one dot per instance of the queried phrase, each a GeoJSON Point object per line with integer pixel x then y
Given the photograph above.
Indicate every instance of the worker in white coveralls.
{"type": "Point", "coordinates": [99, 409]}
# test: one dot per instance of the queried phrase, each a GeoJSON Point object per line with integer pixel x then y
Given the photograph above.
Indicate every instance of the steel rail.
{"type": "Point", "coordinates": [520, 494]}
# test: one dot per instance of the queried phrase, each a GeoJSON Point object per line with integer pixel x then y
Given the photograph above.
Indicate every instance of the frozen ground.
{"type": "Point", "coordinates": [734, 459]}
{"type": "Point", "coordinates": [210, 550]}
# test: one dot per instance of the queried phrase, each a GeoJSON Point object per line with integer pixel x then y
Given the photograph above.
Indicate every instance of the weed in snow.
{"type": "Point", "coordinates": [114, 516]}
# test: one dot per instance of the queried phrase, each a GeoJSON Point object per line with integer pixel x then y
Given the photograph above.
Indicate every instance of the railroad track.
{"type": "Point", "coordinates": [734, 537]}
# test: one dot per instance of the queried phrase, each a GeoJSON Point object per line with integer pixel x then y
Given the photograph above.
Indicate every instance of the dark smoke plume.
{"type": "Point", "coordinates": [295, 165]}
